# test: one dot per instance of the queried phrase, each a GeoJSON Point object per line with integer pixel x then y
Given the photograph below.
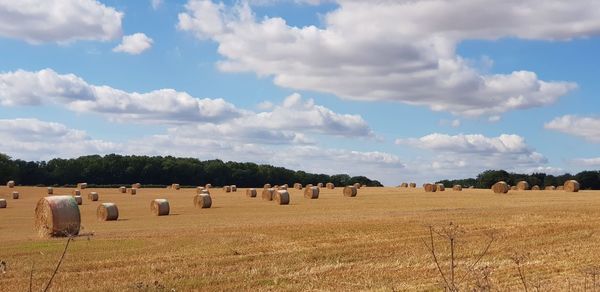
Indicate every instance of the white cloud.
{"type": "Point", "coordinates": [587, 162]}
{"type": "Point", "coordinates": [466, 155]}
{"type": "Point", "coordinates": [37, 140]}
{"type": "Point", "coordinates": [134, 44]}
{"type": "Point", "coordinates": [584, 127]}
{"type": "Point", "coordinates": [396, 50]}
{"type": "Point", "coordinates": [285, 123]}
{"type": "Point", "coordinates": [59, 21]}
{"type": "Point", "coordinates": [156, 4]}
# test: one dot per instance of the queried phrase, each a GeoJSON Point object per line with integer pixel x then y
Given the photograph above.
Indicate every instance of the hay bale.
{"type": "Point", "coordinates": [208, 186]}
{"type": "Point", "coordinates": [560, 188]}
{"type": "Point", "coordinates": [160, 207]}
{"type": "Point", "coordinates": [2, 203]}
{"type": "Point", "coordinates": [175, 187]}
{"type": "Point", "coordinates": [57, 216]}
{"type": "Point", "coordinates": [440, 187]}
{"type": "Point", "coordinates": [471, 187]}
{"type": "Point", "coordinates": [513, 188]}
{"type": "Point", "coordinates": [136, 186]}
{"type": "Point", "coordinates": [522, 186]}
{"type": "Point", "coordinates": [202, 201]}
{"type": "Point", "coordinates": [412, 185]}
{"type": "Point", "coordinates": [201, 190]}
{"type": "Point", "coordinates": [311, 193]}
{"type": "Point", "coordinates": [15, 195]}
{"type": "Point", "coordinates": [500, 187]}
{"type": "Point", "coordinates": [133, 191]}
{"type": "Point", "coordinates": [233, 188]}
{"type": "Point", "coordinates": [251, 193]}
{"type": "Point", "coordinates": [571, 186]}
{"type": "Point", "coordinates": [350, 191]}
{"type": "Point", "coordinates": [320, 185]}
{"type": "Point", "coordinates": [535, 188]}
{"type": "Point", "coordinates": [550, 188]}
{"type": "Point", "coordinates": [50, 191]}
{"type": "Point", "coordinates": [10, 184]}
{"type": "Point", "coordinates": [78, 199]}
{"type": "Point", "coordinates": [82, 186]}
{"type": "Point", "coordinates": [93, 196]}
{"type": "Point", "coordinates": [404, 185]}
{"type": "Point", "coordinates": [227, 189]}
{"type": "Point", "coordinates": [268, 194]}
{"type": "Point", "coordinates": [267, 186]}
{"type": "Point", "coordinates": [308, 186]}
{"type": "Point", "coordinates": [457, 188]}
{"type": "Point", "coordinates": [430, 188]}
{"type": "Point", "coordinates": [282, 197]}
{"type": "Point", "coordinates": [357, 185]}
{"type": "Point", "coordinates": [76, 192]}
{"type": "Point", "coordinates": [107, 212]}
{"type": "Point", "coordinates": [283, 187]}
{"type": "Point", "coordinates": [123, 190]}
{"type": "Point", "coordinates": [330, 186]}
{"type": "Point", "coordinates": [298, 186]}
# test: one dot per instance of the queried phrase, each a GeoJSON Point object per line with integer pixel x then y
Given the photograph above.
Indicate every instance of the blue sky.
{"type": "Point", "coordinates": [395, 91]}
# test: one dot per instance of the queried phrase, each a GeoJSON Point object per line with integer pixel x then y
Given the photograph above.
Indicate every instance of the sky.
{"type": "Point", "coordinates": [395, 90]}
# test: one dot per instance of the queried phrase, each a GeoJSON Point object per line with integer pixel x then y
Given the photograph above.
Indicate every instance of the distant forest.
{"type": "Point", "coordinates": [588, 180]}
{"type": "Point", "coordinates": [115, 170]}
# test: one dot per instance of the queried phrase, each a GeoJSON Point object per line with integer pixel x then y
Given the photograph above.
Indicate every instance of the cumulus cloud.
{"type": "Point", "coordinates": [59, 21]}
{"type": "Point", "coordinates": [584, 127]}
{"type": "Point", "coordinates": [466, 155]}
{"type": "Point", "coordinates": [396, 50]}
{"type": "Point", "coordinates": [156, 4]}
{"type": "Point", "coordinates": [134, 44]}
{"type": "Point", "coordinates": [38, 140]}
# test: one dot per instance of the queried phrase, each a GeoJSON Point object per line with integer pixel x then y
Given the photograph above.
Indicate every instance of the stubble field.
{"type": "Point", "coordinates": [375, 241]}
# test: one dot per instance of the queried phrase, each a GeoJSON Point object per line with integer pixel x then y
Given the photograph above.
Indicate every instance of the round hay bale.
{"type": "Point", "coordinates": [15, 195]}
{"type": "Point", "coordinates": [308, 186]}
{"type": "Point", "coordinates": [571, 186]}
{"type": "Point", "coordinates": [233, 188]}
{"type": "Point", "coordinates": [298, 186]}
{"type": "Point", "coordinates": [107, 212]}
{"type": "Point", "coordinates": [311, 193]}
{"type": "Point", "coordinates": [123, 190]}
{"type": "Point", "coordinates": [10, 184]}
{"type": "Point", "coordinates": [522, 186]}
{"type": "Point", "coordinates": [283, 187]}
{"type": "Point", "coordinates": [330, 186]}
{"type": "Point", "coordinates": [76, 193]}
{"type": "Point", "coordinates": [175, 186]}
{"type": "Point", "coordinates": [208, 186]}
{"type": "Point", "coordinates": [93, 196]}
{"type": "Point", "coordinates": [350, 191]}
{"type": "Point", "coordinates": [282, 197]}
{"type": "Point", "coordinates": [550, 188]}
{"type": "Point", "coordinates": [133, 191]}
{"type": "Point", "coordinates": [412, 185]}
{"type": "Point", "coordinates": [251, 193]}
{"type": "Point", "coordinates": [440, 187]}
{"type": "Point", "coordinates": [202, 201]}
{"type": "Point", "coordinates": [78, 199]}
{"type": "Point", "coordinates": [82, 186]}
{"type": "Point", "coordinates": [500, 187]}
{"type": "Point", "coordinates": [535, 188]}
{"type": "Point", "coordinates": [357, 185]}
{"type": "Point", "coordinates": [457, 188]}
{"type": "Point", "coordinates": [513, 188]}
{"type": "Point", "coordinates": [320, 185]}
{"type": "Point", "coordinates": [136, 186]}
{"type": "Point", "coordinates": [57, 216]}
{"type": "Point", "coordinates": [268, 194]}
{"type": "Point", "coordinates": [2, 203]}
{"type": "Point", "coordinates": [267, 186]}
{"type": "Point", "coordinates": [404, 185]}
{"type": "Point", "coordinates": [201, 190]}
{"type": "Point", "coordinates": [227, 189]}
{"type": "Point", "coordinates": [50, 191]}
{"type": "Point", "coordinates": [160, 207]}
{"type": "Point", "coordinates": [560, 188]}
{"type": "Point", "coordinates": [430, 188]}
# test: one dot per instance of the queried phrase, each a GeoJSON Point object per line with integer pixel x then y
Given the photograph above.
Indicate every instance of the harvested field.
{"type": "Point", "coordinates": [370, 242]}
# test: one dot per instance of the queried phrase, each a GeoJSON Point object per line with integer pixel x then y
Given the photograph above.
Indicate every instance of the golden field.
{"type": "Point", "coordinates": [373, 242]}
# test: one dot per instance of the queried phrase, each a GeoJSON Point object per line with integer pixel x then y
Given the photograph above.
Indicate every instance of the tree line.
{"type": "Point", "coordinates": [114, 170]}
{"type": "Point", "coordinates": [588, 180]}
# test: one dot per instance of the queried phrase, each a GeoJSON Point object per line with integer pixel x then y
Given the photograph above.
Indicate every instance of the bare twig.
{"type": "Point", "coordinates": [31, 276]}
{"type": "Point", "coordinates": [58, 265]}
{"type": "Point", "coordinates": [481, 255]}
{"type": "Point", "coordinates": [435, 260]}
